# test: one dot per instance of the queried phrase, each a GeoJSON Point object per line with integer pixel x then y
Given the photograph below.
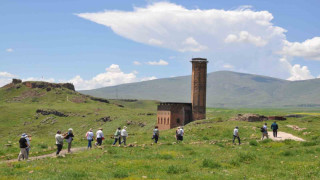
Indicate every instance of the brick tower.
{"type": "Point", "coordinates": [199, 88]}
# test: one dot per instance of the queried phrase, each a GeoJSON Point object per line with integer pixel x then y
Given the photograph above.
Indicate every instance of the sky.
{"type": "Point", "coordinates": [101, 43]}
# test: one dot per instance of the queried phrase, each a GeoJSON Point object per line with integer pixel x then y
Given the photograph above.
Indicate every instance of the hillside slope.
{"type": "Point", "coordinates": [224, 89]}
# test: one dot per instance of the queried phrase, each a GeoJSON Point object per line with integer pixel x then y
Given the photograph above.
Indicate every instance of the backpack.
{"type": "Point", "coordinates": [262, 129]}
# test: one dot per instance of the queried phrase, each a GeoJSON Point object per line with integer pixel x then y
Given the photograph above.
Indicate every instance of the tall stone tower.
{"type": "Point", "coordinates": [199, 88]}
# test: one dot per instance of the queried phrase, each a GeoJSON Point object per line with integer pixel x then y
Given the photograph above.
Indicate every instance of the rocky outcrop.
{"type": "Point", "coordinates": [104, 119]}
{"type": "Point", "coordinates": [46, 85]}
{"type": "Point", "coordinates": [48, 112]}
{"type": "Point", "coordinates": [249, 117]}
{"type": "Point", "coordinates": [99, 99]}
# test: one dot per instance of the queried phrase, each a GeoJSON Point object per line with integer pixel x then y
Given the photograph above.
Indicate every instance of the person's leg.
{"type": "Point", "coordinates": [125, 140]}
{"type": "Point", "coordinates": [234, 137]}
{"type": "Point", "coordinates": [20, 155]}
{"type": "Point", "coordinates": [69, 147]}
{"type": "Point", "coordinates": [277, 133]}
{"type": "Point", "coordinates": [99, 140]}
{"type": "Point", "coordinates": [267, 135]}
{"type": "Point", "coordinates": [115, 141]}
{"type": "Point", "coordinates": [119, 140]}
{"type": "Point", "coordinates": [58, 149]}
{"type": "Point", "coordinates": [25, 154]}
{"type": "Point", "coordinates": [238, 139]}
{"type": "Point", "coordinates": [156, 138]}
{"type": "Point", "coordinates": [28, 149]}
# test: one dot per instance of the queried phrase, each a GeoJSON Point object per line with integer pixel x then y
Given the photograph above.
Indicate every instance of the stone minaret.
{"type": "Point", "coordinates": [199, 88]}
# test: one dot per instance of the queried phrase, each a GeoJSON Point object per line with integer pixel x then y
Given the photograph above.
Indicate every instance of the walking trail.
{"type": "Point", "coordinates": [283, 136]}
{"type": "Point", "coordinates": [62, 153]}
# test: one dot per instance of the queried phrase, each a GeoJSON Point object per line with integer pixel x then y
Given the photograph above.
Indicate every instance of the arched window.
{"type": "Point", "coordinates": [158, 120]}
{"type": "Point", "coordinates": [161, 121]}
{"type": "Point", "coordinates": [168, 121]}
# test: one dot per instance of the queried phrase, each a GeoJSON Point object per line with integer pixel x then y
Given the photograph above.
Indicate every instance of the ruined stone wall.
{"type": "Point", "coordinates": [39, 84]}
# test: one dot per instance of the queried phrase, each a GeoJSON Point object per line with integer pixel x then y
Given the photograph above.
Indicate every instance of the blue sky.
{"type": "Point", "coordinates": [73, 41]}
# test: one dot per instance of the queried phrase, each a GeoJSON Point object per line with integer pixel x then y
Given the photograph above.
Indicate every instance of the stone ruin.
{"type": "Point", "coordinates": [39, 84]}
{"type": "Point", "coordinates": [249, 118]}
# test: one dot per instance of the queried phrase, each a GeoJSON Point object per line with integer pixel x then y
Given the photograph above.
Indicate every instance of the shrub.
{"type": "Point", "coordinates": [210, 164]}
{"type": "Point", "coordinates": [164, 156]}
{"type": "Point", "coordinates": [234, 162]}
{"type": "Point", "coordinates": [43, 146]}
{"type": "Point", "coordinates": [176, 169]}
{"type": "Point", "coordinates": [246, 156]}
{"type": "Point", "coordinates": [253, 143]}
{"type": "Point", "coordinates": [120, 174]}
{"type": "Point", "coordinates": [287, 153]}
{"type": "Point", "coordinates": [205, 138]}
{"type": "Point", "coordinates": [312, 143]}
{"type": "Point", "coordinates": [265, 141]}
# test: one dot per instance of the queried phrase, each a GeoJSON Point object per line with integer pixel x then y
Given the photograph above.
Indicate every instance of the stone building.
{"type": "Point", "coordinates": [174, 114]}
{"type": "Point", "coordinates": [171, 115]}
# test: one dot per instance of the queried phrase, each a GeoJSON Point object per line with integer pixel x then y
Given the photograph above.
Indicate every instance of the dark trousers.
{"type": "Point", "coordinates": [116, 140]}
{"type": "Point", "coordinates": [275, 133]}
{"type": "Point", "coordinates": [59, 148]}
{"type": "Point", "coordinates": [89, 143]}
{"type": "Point", "coordinates": [99, 141]}
{"type": "Point", "coordinates": [156, 138]}
{"type": "Point", "coordinates": [234, 137]}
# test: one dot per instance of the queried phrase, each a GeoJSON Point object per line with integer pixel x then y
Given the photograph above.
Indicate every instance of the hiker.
{"type": "Point", "coordinates": [155, 134]}
{"type": "Point", "coordinates": [59, 142]}
{"type": "Point", "coordinates": [180, 134]}
{"type": "Point", "coordinates": [28, 138]}
{"type": "Point", "coordinates": [264, 131]}
{"type": "Point", "coordinates": [274, 127]}
{"type": "Point", "coordinates": [69, 138]}
{"type": "Point", "coordinates": [124, 135]}
{"type": "Point", "coordinates": [117, 136]}
{"type": "Point", "coordinates": [236, 134]}
{"type": "Point", "coordinates": [100, 136]}
{"type": "Point", "coordinates": [90, 137]}
{"type": "Point", "coordinates": [177, 130]}
{"type": "Point", "coordinates": [23, 145]}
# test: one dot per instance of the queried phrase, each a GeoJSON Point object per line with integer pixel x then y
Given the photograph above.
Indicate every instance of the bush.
{"type": "Point", "coordinates": [176, 170]}
{"type": "Point", "coordinates": [210, 164]}
{"type": "Point", "coordinates": [205, 138]}
{"type": "Point", "coordinates": [164, 156]}
{"type": "Point", "coordinates": [312, 143]}
{"type": "Point", "coordinates": [253, 143]}
{"type": "Point", "coordinates": [120, 174]}
{"type": "Point", "coordinates": [287, 153]}
{"type": "Point", "coordinates": [265, 141]}
{"type": "Point", "coordinates": [43, 146]}
{"type": "Point", "coordinates": [246, 156]}
{"type": "Point", "coordinates": [234, 162]}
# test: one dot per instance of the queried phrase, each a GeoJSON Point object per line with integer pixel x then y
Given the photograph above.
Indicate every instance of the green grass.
{"type": "Point", "coordinates": [207, 151]}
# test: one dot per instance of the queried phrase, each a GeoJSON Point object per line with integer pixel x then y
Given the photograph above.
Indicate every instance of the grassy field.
{"type": "Point", "coordinates": [206, 153]}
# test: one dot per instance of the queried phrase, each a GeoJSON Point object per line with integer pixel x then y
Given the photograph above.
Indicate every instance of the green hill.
{"type": "Point", "coordinates": [224, 89]}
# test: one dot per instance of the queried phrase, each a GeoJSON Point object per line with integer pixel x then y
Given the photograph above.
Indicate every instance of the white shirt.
{"type": "Point", "coordinates": [89, 135]}
{"type": "Point", "coordinates": [181, 132]}
{"type": "Point", "coordinates": [59, 139]}
{"type": "Point", "coordinates": [28, 141]}
{"type": "Point", "coordinates": [265, 127]}
{"type": "Point", "coordinates": [124, 132]}
{"type": "Point", "coordinates": [99, 134]}
{"type": "Point", "coordinates": [235, 132]}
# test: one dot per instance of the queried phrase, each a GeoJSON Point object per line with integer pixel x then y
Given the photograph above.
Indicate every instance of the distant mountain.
{"type": "Point", "coordinates": [224, 89]}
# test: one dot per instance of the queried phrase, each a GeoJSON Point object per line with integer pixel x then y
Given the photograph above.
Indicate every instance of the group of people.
{"type": "Point", "coordinates": [120, 136]}
{"type": "Point", "coordinates": [24, 144]}
{"type": "Point", "coordinates": [264, 131]}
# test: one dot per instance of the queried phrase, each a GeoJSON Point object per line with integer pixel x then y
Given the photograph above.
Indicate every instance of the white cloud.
{"type": "Point", "coordinates": [9, 50]}
{"type": "Point", "coordinates": [158, 63]}
{"type": "Point", "coordinates": [297, 72]}
{"type": "Point", "coordinates": [309, 49]}
{"type": "Point", "coordinates": [245, 37]}
{"type": "Point", "coordinates": [6, 75]}
{"type": "Point", "coordinates": [112, 76]}
{"type": "Point", "coordinates": [136, 63]}
{"type": "Point", "coordinates": [52, 80]}
{"type": "Point", "coordinates": [228, 66]}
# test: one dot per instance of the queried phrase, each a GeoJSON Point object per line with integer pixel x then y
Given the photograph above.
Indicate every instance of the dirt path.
{"type": "Point", "coordinates": [283, 136]}
{"type": "Point", "coordinates": [62, 153]}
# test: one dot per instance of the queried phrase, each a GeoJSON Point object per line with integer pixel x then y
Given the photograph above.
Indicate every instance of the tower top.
{"type": "Point", "coordinates": [200, 60]}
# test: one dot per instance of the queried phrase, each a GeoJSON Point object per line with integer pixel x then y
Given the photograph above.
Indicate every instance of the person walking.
{"type": "Point", "coordinates": [59, 141]}
{"type": "Point", "coordinates": [156, 134]}
{"type": "Point", "coordinates": [90, 137]}
{"type": "Point", "coordinates": [274, 127]}
{"type": "Point", "coordinates": [117, 136]}
{"type": "Point", "coordinates": [264, 131]}
{"type": "Point", "coordinates": [28, 138]}
{"type": "Point", "coordinates": [236, 134]}
{"type": "Point", "coordinates": [69, 138]}
{"type": "Point", "coordinates": [177, 131]}
{"type": "Point", "coordinates": [100, 136]}
{"type": "Point", "coordinates": [23, 145]}
{"type": "Point", "coordinates": [124, 135]}
{"type": "Point", "coordinates": [180, 134]}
